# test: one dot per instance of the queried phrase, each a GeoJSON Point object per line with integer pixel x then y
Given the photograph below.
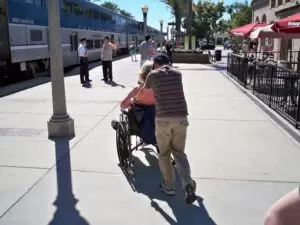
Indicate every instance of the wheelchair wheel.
{"type": "Point", "coordinates": [122, 136]}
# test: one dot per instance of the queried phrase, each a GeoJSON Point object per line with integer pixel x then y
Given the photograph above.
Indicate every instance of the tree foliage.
{"type": "Point", "coordinates": [125, 13]}
{"type": "Point", "coordinates": [114, 7]}
{"type": "Point", "coordinates": [110, 5]}
{"type": "Point", "coordinates": [242, 14]}
{"type": "Point", "coordinates": [207, 19]}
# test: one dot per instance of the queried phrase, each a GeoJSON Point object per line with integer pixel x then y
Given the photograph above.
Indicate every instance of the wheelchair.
{"type": "Point", "coordinates": [139, 122]}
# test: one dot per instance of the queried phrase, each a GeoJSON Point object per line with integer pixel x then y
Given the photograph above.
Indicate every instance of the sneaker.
{"type": "Point", "coordinates": [114, 124]}
{"type": "Point", "coordinates": [190, 189]}
{"type": "Point", "coordinates": [169, 192]}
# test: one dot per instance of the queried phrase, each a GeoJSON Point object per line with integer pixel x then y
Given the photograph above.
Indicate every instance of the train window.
{"type": "Point", "coordinates": [78, 10]}
{"type": "Point", "coordinates": [71, 43]}
{"type": "Point", "coordinates": [96, 15]}
{"type": "Point", "coordinates": [112, 38]}
{"type": "Point", "coordinates": [36, 35]}
{"type": "Point", "coordinates": [88, 13]}
{"type": "Point", "coordinates": [67, 7]}
{"type": "Point", "coordinates": [97, 44]}
{"type": "Point", "coordinates": [89, 44]}
{"type": "Point", "coordinates": [34, 2]}
{"type": "Point", "coordinates": [38, 2]}
{"type": "Point", "coordinates": [103, 16]}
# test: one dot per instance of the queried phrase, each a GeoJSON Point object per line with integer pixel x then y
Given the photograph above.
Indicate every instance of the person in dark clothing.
{"type": "Point", "coordinates": [84, 64]}
{"type": "Point", "coordinates": [169, 49]}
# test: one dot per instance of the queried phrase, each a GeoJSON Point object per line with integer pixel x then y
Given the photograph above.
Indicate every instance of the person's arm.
{"type": "Point", "coordinates": [126, 101]}
{"type": "Point", "coordinates": [113, 46]}
{"type": "Point", "coordinates": [147, 85]}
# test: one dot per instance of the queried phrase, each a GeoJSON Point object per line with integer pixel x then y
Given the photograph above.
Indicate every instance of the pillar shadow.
{"type": "Point", "coordinates": [66, 212]}
{"type": "Point", "coordinates": [145, 179]}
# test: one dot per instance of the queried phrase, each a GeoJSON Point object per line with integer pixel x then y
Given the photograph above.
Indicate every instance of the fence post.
{"type": "Point", "coordinates": [298, 111]}
{"type": "Point", "coordinates": [245, 70]}
{"type": "Point", "coordinates": [271, 85]}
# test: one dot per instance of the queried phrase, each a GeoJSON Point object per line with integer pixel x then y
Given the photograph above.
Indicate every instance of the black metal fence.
{"type": "Point", "coordinates": [237, 66]}
{"type": "Point", "coordinates": [272, 82]}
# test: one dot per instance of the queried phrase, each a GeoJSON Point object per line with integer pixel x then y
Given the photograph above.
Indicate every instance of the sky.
{"type": "Point", "coordinates": [157, 10]}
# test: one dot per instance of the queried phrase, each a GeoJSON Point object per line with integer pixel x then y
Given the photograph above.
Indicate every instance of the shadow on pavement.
{"type": "Point", "coordinates": [145, 181]}
{"type": "Point", "coordinates": [66, 212]}
{"type": "Point", "coordinates": [114, 84]}
{"type": "Point", "coordinates": [40, 80]}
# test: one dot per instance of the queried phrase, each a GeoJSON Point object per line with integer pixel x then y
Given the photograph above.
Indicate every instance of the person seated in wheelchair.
{"type": "Point", "coordinates": [146, 98]}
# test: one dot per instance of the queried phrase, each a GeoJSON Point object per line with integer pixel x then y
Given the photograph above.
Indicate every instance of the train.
{"type": "Point", "coordinates": [24, 34]}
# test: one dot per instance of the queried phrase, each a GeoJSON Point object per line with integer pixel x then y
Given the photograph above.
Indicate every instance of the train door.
{"type": "Point", "coordinates": [4, 35]}
{"type": "Point", "coordinates": [73, 57]}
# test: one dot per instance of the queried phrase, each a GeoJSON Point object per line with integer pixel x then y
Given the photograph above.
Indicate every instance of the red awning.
{"type": "Point", "coordinates": [245, 30]}
{"type": "Point", "coordinates": [290, 24]}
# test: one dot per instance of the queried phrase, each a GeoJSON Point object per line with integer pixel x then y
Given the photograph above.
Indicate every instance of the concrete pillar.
{"type": "Point", "coordinates": [60, 123]}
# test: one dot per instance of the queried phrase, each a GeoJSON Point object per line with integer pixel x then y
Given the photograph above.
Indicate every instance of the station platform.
{"type": "Point", "coordinates": [241, 159]}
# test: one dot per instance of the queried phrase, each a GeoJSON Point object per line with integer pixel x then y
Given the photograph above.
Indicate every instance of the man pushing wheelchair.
{"type": "Point", "coordinates": [171, 123]}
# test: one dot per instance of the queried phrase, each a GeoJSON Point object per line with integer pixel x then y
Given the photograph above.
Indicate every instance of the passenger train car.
{"type": "Point", "coordinates": [24, 34]}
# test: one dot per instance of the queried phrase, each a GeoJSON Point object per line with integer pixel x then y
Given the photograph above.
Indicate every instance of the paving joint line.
{"type": "Point", "coordinates": [228, 120]}
{"type": "Point", "coordinates": [25, 167]}
{"type": "Point", "coordinates": [58, 161]}
{"type": "Point", "coordinates": [247, 180]}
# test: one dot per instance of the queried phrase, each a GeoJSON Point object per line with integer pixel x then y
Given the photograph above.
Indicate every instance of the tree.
{"type": "Point", "coordinates": [125, 13]}
{"type": "Point", "coordinates": [110, 5]}
{"type": "Point", "coordinates": [177, 7]}
{"type": "Point", "coordinates": [208, 19]}
{"type": "Point", "coordinates": [242, 16]}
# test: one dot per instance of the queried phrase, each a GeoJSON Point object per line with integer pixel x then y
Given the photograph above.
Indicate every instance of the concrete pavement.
{"type": "Point", "coordinates": [241, 160]}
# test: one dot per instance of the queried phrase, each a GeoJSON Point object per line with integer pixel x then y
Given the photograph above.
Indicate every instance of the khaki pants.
{"type": "Point", "coordinates": [171, 136]}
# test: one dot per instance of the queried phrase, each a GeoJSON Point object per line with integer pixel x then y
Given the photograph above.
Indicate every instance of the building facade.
{"type": "Point", "coordinates": [267, 11]}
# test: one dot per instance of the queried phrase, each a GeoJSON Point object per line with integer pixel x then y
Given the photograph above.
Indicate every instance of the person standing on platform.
{"type": "Point", "coordinates": [146, 50]}
{"type": "Point", "coordinates": [84, 64]}
{"type": "Point", "coordinates": [132, 51]}
{"type": "Point", "coordinates": [106, 57]}
{"type": "Point", "coordinates": [169, 49]}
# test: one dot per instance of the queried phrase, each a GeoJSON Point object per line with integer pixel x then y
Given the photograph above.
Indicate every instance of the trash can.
{"type": "Point", "coordinates": [218, 55]}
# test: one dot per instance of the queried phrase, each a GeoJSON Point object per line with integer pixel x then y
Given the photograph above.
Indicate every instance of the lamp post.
{"type": "Point", "coordinates": [60, 123]}
{"type": "Point", "coordinates": [161, 33]}
{"type": "Point", "coordinates": [190, 21]}
{"type": "Point", "coordinates": [145, 9]}
{"type": "Point", "coordinates": [167, 32]}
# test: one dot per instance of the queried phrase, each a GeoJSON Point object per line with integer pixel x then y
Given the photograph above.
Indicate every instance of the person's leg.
{"type": "Point", "coordinates": [163, 138]}
{"type": "Point", "coordinates": [86, 71]}
{"type": "Point", "coordinates": [286, 211]}
{"type": "Point", "coordinates": [104, 69]}
{"type": "Point", "coordinates": [135, 57]}
{"type": "Point", "coordinates": [131, 55]}
{"type": "Point", "coordinates": [179, 131]}
{"type": "Point", "coordinates": [141, 63]}
{"type": "Point", "coordinates": [109, 66]}
{"type": "Point", "coordinates": [81, 71]}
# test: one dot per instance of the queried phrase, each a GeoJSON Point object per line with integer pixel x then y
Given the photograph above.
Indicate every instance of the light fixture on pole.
{"type": "Point", "coordinates": [145, 9]}
{"type": "Point", "coordinates": [161, 22]}
{"type": "Point", "coordinates": [60, 123]}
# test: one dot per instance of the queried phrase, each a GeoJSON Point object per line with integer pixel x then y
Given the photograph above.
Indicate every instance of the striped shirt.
{"type": "Point", "coordinates": [167, 86]}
